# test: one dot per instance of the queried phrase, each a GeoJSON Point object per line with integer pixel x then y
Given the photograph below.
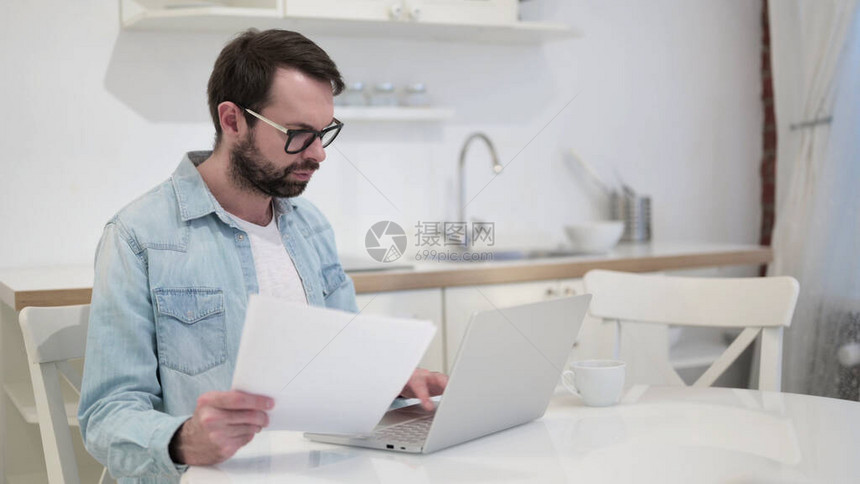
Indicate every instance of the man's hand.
{"type": "Point", "coordinates": [221, 424]}
{"type": "Point", "coordinates": [425, 384]}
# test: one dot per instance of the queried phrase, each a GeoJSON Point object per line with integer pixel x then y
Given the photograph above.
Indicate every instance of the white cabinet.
{"type": "Point", "coordinates": [486, 21]}
{"type": "Point", "coordinates": [345, 9]}
{"type": "Point", "coordinates": [398, 114]}
{"type": "Point", "coordinates": [474, 12]}
{"type": "Point", "coordinates": [486, 12]}
{"type": "Point", "coordinates": [420, 304]}
{"type": "Point", "coordinates": [470, 12]}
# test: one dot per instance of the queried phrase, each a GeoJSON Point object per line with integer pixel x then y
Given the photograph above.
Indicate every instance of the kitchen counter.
{"type": "Point", "coordinates": [62, 285]}
{"type": "Point", "coordinates": [650, 257]}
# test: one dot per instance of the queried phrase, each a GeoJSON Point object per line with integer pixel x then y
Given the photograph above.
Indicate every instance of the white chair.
{"type": "Point", "coordinates": [52, 337]}
{"type": "Point", "coordinates": [760, 305]}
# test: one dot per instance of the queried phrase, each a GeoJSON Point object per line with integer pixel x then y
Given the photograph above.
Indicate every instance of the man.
{"type": "Point", "coordinates": [174, 268]}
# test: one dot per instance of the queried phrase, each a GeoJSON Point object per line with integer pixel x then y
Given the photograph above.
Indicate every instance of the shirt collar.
{"type": "Point", "coordinates": [283, 206]}
{"type": "Point", "coordinates": [195, 199]}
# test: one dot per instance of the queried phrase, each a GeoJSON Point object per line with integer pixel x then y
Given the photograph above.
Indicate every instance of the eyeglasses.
{"type": "Point", "coordinates": [299, 140]}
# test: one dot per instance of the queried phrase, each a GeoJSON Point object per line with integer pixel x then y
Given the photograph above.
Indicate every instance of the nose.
{"type": "Point", "coordinates": [315, 152]}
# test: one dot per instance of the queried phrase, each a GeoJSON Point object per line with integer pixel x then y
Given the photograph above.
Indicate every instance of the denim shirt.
{"type": "Point", "coordinates": [172, 277]}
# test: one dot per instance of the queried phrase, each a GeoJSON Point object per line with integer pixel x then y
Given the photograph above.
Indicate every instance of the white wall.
{"type": "Point", "coordinates": [665, 92]}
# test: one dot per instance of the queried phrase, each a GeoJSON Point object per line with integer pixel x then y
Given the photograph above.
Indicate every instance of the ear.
{"type": "Point", "coordinates": [232, 120]}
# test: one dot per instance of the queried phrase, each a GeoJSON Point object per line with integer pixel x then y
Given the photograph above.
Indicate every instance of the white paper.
{"type": "Point", "coordinates": [329, 371]}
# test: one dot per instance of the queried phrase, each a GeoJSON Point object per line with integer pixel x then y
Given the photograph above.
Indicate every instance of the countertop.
{"type": "Point", "coordinates": [72, 284]}
{"type": "Point", "coordinates": [649, 257]}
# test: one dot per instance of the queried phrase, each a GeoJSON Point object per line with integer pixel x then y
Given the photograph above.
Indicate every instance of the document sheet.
{"type": "Point", "coordinates": [329, 371]}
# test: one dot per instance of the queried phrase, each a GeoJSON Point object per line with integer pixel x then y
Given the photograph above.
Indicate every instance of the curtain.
{"type": "Point", "coordinates": [816, 71]}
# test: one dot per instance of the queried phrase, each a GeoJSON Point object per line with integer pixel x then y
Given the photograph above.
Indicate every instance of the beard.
{"type": "Point", "coordinates": [250, 172]}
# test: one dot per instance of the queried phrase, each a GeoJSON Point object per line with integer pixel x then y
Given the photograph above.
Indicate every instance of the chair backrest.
{"type": "Point", "coordinates": [760, 305]}
{"type": "Point", "coordinates": [52, 336]}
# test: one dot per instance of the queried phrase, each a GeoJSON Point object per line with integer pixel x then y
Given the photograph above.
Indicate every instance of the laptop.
{"type": "Point", "coordinates": [505, 373]}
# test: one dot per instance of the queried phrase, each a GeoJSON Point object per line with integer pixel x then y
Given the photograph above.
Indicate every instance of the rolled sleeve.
{"type": "Point", "coordinates": [159, 445]}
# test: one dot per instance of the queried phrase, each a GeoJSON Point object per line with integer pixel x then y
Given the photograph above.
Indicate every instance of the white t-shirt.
{"type": "Point", "coordinates": [276, 273]}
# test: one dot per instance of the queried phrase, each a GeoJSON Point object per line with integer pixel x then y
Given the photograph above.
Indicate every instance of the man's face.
{"type": "Point", "coordinates": [258, 163]}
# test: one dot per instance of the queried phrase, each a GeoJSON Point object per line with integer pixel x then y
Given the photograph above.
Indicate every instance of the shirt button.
{"type": "Point", "coordinates": [241, 237]}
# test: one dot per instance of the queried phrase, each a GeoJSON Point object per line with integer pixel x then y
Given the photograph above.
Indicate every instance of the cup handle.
{"type": "Point", "coordinates": [571, 387]}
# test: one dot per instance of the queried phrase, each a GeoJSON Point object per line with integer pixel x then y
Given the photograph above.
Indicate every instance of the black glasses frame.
{"type": "Point", "coordinates": [291, 133]}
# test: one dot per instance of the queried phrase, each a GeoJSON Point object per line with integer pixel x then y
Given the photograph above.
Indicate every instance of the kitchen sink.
{"type": "Point", "coordinates": [483, 255]}
{"type": "Point", "coordinates": [495, 255]}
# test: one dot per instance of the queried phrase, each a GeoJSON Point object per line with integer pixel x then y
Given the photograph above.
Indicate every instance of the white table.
{"type": "Point", "coordinates": [656, 434]}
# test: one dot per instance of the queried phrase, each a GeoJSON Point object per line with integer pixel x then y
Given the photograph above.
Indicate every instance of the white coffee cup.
{"type": "Point", "coordinates": [598, 382]}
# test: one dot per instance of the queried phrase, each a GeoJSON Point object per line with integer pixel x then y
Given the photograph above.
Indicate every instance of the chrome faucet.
{"type": "Point", "coordinates": [497, 168]}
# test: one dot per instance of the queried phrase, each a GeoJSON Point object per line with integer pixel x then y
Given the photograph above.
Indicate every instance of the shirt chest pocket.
{"type": "Point", "coordinates": [333, 277]}
{"type": "Point", "coordinates": [190, 328]}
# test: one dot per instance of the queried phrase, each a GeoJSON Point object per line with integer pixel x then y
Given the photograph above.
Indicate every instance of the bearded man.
{"type": "Point", "coordinates": [174, 268]}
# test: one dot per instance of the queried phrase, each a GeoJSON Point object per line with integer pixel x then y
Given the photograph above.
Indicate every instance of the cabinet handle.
{"type": "Point", "coordinates": [415, 13]}
{"type": "Point", "coordinates": [550, 292]}
{"type": "Point", "coordinates": [569, 291]}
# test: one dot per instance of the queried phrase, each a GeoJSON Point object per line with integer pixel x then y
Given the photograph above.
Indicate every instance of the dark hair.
{"type": "Point", "coordinates": [245, 68]}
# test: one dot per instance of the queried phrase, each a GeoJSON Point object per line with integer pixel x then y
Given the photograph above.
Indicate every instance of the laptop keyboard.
{"type": "Point", "coordinates": [411, 432]}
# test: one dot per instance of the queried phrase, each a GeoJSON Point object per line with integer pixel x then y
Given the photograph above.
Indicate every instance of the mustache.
{"type": "Point", "coordinates": [304, 166]}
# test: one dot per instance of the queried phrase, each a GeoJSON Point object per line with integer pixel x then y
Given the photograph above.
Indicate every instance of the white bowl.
{"type": "Point", "coordinates": [595, 237]}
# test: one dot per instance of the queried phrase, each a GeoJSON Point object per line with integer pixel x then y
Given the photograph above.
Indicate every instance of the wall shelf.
{"type": "Point", "coordinates": [234, 19]}
{"type": "Point", "coordinates": [383, 114]}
